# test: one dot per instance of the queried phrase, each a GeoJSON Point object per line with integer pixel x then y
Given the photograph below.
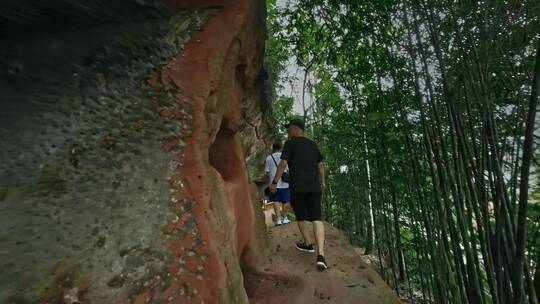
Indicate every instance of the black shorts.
{"type": "Point", "coordinates": [306, 206]}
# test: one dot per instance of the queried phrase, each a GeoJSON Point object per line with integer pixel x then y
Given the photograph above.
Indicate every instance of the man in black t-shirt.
{"type": "Point", "coordinates": [306, 169]}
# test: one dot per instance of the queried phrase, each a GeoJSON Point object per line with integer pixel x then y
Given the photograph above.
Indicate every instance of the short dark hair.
{"type": "Point", "coordinates": [276, 146]}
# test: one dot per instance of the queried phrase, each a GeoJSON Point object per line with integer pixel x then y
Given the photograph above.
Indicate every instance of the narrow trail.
{"type": "Point", "coordinates": [295, 279]}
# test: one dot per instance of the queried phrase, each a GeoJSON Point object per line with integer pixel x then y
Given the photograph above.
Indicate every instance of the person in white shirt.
{"type": "Point", "coordinates": [282, 196]}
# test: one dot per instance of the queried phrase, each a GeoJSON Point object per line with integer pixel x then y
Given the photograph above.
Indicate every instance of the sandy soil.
{"type": "Point", "coordinates": [293, 278]}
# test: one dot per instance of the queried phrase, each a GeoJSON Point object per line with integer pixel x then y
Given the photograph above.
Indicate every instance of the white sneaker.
{"type": "Point", "coordinates": [286, 221]}
{"type": "Point", "coordinates": [279, 222]}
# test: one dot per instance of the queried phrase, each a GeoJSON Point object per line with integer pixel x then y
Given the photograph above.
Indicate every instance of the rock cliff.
{"type": "Point", "coordinates": [130, 139]}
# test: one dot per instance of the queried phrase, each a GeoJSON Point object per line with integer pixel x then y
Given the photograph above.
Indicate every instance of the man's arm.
{"type": "Point", "coordinates": [321, 175]}
{"type": "Point", "coordinates": [281, 168]}
{"type": "Point", "coordinates": [267, 170]}
{"type": "Point", "coordinates": [269, 177]}
{"type": "Point", "coordinates": [285, 154]}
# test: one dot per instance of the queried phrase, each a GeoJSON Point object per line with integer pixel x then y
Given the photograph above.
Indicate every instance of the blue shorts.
{"type": "Point", "coordinates": [282, 195]}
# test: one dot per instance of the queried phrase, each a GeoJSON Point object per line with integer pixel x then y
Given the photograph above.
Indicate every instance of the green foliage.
{"type": "Point", "coordinates": [275, 60]}
{"type": "Point", "coordinates": [413, 99]}
{"type": "Point", "coordinates": [282, 112]}
{"type": "Point", "coordinates": [276, 50]}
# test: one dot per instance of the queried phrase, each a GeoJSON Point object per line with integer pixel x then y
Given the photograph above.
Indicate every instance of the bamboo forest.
{"type": "Point", "coordinates": [426, 113]}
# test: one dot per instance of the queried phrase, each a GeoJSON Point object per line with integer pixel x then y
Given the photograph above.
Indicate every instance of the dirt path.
{"type": "Point", "coordinates": [293, 278]}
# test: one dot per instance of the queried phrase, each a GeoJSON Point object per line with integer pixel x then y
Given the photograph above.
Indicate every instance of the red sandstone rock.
{"type": "Point", "coordinates": [218, 66]}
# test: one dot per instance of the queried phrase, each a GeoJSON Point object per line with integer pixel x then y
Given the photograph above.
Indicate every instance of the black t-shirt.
{"type": "Point", "coordinates": [303, 157]}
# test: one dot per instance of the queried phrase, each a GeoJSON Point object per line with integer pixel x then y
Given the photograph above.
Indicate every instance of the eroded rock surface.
{"type": "Point", "coordinates": [126, 147]}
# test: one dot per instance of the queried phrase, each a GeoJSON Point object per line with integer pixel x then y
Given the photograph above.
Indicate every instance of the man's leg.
{"type": "Point", "coordinates": [285, 212]}
{"type": "Point", "coordinates": [318, 229]}
{"type": "Point", "coordinates": [314, 214]}
{"type": "Point", "coordinates": [277, 207]}
{"type": "Point", "coordinates": [304, 227]}
{"type": "Point", "coordinates": [298, 203]}
{"type": "Point", "coordinates": [286, 200]}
